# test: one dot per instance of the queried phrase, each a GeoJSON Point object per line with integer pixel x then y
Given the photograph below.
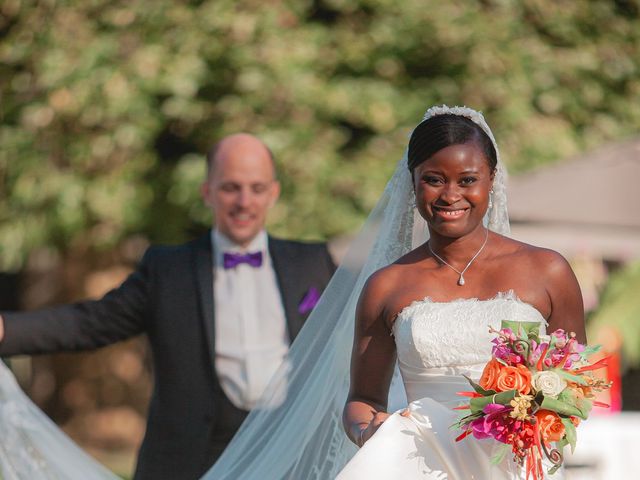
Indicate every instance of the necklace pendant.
{"type": "Point", "coordinates": [461, 280]}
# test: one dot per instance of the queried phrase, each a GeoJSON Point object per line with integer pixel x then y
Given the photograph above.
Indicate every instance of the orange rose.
{"type": "Point", "coordinates": [551, 427]}
{"type": "Point", "coordinates": [490, 374]}
{"type": "Point", "coordinates": [514, 378]}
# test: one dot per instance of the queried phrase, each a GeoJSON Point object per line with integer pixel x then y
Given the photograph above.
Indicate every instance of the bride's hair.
{"type": "Point", "coordinates": [441, 131]}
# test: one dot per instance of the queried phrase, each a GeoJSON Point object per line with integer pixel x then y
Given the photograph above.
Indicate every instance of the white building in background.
{"type": "Point", "coordinates": [590, 204]}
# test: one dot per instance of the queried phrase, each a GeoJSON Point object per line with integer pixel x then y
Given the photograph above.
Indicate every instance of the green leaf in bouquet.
{"type": "Point", "coordinates": [564, 406]}
{"type": "Point", "coordinates": [522, 329]}
{"type": "Point", "coordinates": [590, 350]}
{"type": "Point", "coordinates": [462, 422]}
{"type": "Point", "coordinates": [560, 444]}
{"type": "Point", "coordinates": [553, 469]}
{"type": "Point", "coordinates": [570, 433]}
{"type": "Point", "coordinates": [568, 395]}
{"type": "Point", "coordinates": [538, 398]}
{"type": "Point", "coordinates": [579, 379]}
{"type": "Point", "coordinates": [503, 398]}
{"type": "Point", "coordinates": [500, 454]}
{"type": "Point", "coordinates": [478, 388]}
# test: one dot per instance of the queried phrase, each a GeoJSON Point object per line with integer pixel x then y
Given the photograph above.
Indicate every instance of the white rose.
{"type": "Point", "coordinates": [549, 383]}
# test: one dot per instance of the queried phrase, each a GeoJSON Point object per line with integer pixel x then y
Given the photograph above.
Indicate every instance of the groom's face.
{"type": "Point", "coordinates": [241, 187]}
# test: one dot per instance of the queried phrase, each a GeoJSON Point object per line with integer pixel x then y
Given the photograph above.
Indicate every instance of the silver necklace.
{"type": "Point", "coordinates": [461, 273]}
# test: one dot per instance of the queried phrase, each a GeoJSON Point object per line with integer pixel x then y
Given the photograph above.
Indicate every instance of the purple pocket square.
{"type": "Point", "coordinates": [309, 300]}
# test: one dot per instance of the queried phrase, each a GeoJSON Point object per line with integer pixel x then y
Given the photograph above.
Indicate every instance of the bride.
{"type": "Point", "coordinates": [432, 308]}
{"type": "Point", "coordinates": [436, 282]}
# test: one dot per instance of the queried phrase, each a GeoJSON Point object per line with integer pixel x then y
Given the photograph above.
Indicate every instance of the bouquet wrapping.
{"type": "Point", "coordinates": [532, 395]}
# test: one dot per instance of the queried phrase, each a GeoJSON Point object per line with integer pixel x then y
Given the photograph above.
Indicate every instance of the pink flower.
{"type": "Point", "coordinates": [502, 352]}
{"type": "Point", "coordinates": [515, 359]}
{"type": "Point", "coordinates": [567, 354]}
{"type": "Point", "coordinates": [496, 423]}
{"type": "Point", "coordinates": [536, 351]}
{"type": "Point", "coordinates": [560, 337]}
{"type": "Point", "coordinates": [504, 348]}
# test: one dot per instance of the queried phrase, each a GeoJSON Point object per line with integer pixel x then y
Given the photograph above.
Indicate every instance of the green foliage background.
{"type": "Point", "coordinates": [107, 107]}
{"type": "Point", "coordinates": [620, 308]}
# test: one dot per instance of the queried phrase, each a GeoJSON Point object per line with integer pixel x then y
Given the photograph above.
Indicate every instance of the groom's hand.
{"type": "Point", "coordinates": [1, 328]}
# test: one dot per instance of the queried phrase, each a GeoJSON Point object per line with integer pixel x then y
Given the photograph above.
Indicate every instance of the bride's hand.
{"type": "Point", "coordinates": [377, 420]}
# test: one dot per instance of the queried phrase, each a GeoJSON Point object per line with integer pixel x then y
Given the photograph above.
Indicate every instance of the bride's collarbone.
{"type": "Point", "coordinates": [445, 289]}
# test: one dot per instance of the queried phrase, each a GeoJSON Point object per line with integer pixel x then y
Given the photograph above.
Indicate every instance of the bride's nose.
{"type": "Point", "coordinates": [450, 193]}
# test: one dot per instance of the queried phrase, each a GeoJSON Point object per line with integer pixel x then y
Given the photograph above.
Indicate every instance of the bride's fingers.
{"type": "Point", "coordinates": [405, 413]}
{"type": "Point", "coordinates": [377, 420]}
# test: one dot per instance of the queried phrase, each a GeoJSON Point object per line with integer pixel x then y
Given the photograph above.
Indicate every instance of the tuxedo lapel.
{"type": "Point", "coordinates": [285, 275]}
{"type": "Point", "coordinates": [203, 267]}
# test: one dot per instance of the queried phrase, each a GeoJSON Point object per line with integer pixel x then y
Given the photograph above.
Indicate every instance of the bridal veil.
{"type": "Point", "coordinates": [295, 431]}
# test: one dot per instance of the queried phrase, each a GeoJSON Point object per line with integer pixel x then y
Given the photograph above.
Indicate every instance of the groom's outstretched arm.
{"type": "Point", "coordinates": [85, 325]}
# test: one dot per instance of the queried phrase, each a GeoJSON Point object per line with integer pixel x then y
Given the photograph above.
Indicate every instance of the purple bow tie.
{"type": "Point", "coordinates": [232, 260]}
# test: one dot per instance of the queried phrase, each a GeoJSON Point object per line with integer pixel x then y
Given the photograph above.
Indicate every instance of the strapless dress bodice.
{"type": "Point", "coordinates": [438, 342]}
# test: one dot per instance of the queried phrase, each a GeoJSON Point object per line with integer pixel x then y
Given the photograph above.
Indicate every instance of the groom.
{"type": "Point", "coordinates": [220, 313]}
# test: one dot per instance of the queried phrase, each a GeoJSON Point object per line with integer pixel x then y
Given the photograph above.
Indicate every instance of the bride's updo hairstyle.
{"type": "Point", "coordinates": [441, 131]}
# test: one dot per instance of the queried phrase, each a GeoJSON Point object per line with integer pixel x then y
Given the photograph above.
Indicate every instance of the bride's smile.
{"type": "Point", "coordinates": [447, 214]}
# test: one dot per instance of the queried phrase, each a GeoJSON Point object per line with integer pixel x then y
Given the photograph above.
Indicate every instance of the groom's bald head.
{"type": "Point", "coordinates": [238, 144]}
{"type": "Point", "coordinates": [241, 186]}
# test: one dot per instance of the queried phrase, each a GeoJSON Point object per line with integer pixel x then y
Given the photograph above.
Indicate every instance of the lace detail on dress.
{"type": "Point", "coordinates": [453, 334]}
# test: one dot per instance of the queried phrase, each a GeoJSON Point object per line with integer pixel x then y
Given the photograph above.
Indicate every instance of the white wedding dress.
{"type": "Point", "coordinates": [437, 343]}
{"type": "Point", "coordinates": [32, 447]}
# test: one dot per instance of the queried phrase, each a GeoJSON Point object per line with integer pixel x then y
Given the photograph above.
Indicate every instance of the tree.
{"type": "Point", "coordinates": [108, 107]}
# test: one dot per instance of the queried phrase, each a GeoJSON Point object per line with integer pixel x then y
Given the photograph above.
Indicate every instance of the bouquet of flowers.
{"type": "Point", "coordinates": [533, 393]}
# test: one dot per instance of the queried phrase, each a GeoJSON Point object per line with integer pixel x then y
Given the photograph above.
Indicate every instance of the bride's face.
{"type": "Point", "coordinates": [452, 189]}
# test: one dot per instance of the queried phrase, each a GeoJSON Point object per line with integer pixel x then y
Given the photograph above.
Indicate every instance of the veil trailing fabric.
{"type": "Point", "coordinates": [32, 447]}
{"type": "Point", "coordinates": [296, 431]}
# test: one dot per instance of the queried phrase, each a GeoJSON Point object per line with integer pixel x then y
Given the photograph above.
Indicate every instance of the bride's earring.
{"type": "Point", "coordinates": [490, 198]}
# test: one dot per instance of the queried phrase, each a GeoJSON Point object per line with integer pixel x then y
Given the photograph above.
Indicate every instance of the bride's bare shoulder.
{"type": "Point", "coordinates": [380, 289]}
{"type": "Point", "coordinates": [535, 259]}
{"type": "Point", "coordinates": [381, 281]}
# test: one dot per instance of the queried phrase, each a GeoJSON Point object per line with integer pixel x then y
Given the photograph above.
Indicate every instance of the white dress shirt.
{"type": "Point", "coordinates": [251, 329]}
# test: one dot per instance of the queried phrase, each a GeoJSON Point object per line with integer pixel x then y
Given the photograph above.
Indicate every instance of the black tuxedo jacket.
{"type": "Point", "coordinates": [170, 298]}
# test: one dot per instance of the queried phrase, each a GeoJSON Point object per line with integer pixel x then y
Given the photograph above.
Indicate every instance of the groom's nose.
{"type": "Point", "coordinates": [243, 198]}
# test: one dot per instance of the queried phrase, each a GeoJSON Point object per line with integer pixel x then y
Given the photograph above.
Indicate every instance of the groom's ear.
{"type": "Point", "coordinates": [205, 193]}
{"type": "Point", "coordinates": [275, 193]}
